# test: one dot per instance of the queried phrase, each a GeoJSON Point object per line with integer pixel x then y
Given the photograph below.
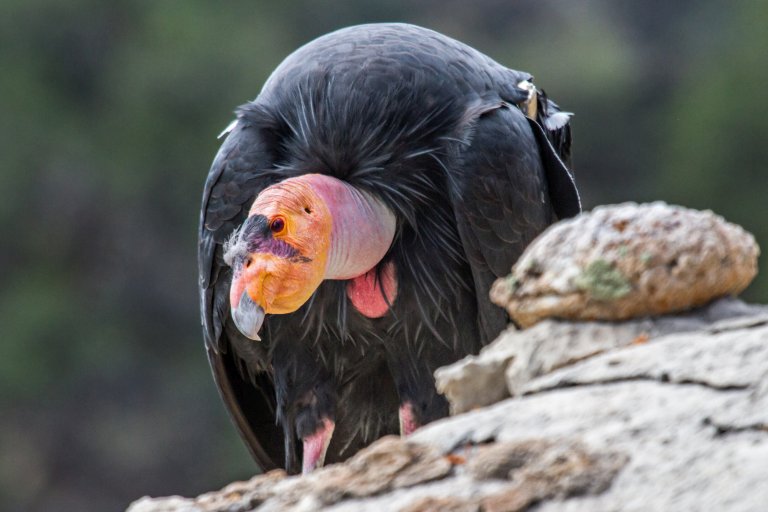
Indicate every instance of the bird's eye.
{"type": "Point", "coordinates": [277, 225]}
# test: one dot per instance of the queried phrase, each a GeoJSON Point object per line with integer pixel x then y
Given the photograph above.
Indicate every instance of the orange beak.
{"type": "Point", "coordinates": [269, 284]}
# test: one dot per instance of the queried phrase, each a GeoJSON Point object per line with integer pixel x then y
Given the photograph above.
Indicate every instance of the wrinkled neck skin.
{"type": "Point", "coordinates": [362, 231]}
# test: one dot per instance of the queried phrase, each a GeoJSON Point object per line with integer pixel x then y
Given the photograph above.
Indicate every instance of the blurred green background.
{"type": "Point", "coordinates": [110, 112]}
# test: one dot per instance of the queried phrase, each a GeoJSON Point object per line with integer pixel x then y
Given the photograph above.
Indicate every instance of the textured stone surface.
{"type": "Point", "coordinates": [675, 418]}
{"type": "Point", "coordinates": [385, 475]}
{"type": "Point", "coordinates": [724, 360]}
{"type": "Point", "coordinates": [628, 260]}
{"type": "Point", "coordinates": [690, 409]}
{"type": "Point", "coordinates": [505, 367]}
{"type": "Point", "coordinates": [546, 470]}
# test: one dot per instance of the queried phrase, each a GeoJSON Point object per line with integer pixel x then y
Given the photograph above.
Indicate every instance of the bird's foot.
{"type": "Point", "coordinates": [408, 421]}
{"type": "Point", "coordinates": [316, 445]}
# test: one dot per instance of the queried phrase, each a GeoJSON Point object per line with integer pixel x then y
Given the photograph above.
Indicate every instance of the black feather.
{"type": "Point", "coordinates": [430, 127]}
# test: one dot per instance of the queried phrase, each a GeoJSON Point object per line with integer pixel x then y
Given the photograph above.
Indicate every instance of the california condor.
{"type": "Point", "coordinates": [352, 224]}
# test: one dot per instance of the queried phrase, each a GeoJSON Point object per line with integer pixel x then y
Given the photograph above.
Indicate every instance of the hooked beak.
{"type": "Point", "coordinates": [248, 317]}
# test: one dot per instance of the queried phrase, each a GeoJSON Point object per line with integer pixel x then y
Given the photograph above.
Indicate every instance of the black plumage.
{"type": "Point", "coordinates": [439, 133]}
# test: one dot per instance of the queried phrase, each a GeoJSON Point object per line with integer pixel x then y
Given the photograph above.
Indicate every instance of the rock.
{"type": "Point", "coordinates": [628, 260]}
{"type": "Point", "coordinates": [723, 360]}
{"type": "Point", "coordinates": [507, 365]}
{"type": "Point", "coordinates": [235, 497]}
{"type": "Point", "coordinates": [673, 418]}
{"type": "Point", "coordinates": [689, 408]}
{"type": "Point", "coordinates": [548, 470]}
{"type": "Point", "coordinates": [744, 415]}
{"type": "Point", "coordinates": [553, 467]}
{"type": "Point", "coordinates": [169, 504]}
{"type": "Point", "coordinates": [532, 471]}
{"type": "Point", "coordinates": [433, 504]}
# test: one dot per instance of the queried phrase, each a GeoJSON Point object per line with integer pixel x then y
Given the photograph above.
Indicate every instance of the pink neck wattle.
{"type": "Point", "coordinates": [363, 227]}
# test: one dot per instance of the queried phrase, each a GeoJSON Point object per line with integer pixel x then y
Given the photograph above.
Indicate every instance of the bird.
{"type": "Point", "coordinates": [352, 223]}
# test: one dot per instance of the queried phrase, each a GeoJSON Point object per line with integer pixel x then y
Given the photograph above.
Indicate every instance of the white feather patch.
{"type": "Point", "coordinates": [557, 120]}
{"type": "Point", "coordinates": [229, 128]}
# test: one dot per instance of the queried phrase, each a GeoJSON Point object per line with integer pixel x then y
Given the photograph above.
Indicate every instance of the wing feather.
{"type": "Point", "coordinates": [508, 186]}
{"type": "Point", "coordinates": [241, 169]}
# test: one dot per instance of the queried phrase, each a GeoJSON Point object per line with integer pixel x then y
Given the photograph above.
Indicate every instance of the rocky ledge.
{"type": "Point", "coordinates": [665, 413]}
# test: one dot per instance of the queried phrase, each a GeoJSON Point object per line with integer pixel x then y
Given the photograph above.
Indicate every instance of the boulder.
{"type": "Point", "coordinates": [625, 261]}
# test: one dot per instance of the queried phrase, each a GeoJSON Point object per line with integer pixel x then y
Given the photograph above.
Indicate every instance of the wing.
{"type": "Point", "coordinates": [508, 184]}
{"type": "Point", "coordinates": [240, 170]}
{"type": "Point", "coordinates": [553, 135]}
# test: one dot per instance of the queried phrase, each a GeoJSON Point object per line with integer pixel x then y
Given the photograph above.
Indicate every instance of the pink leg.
{"type": "Point", "coordinates": [408, 423]}
{"type": "Point", "coordinates": [316, 445]}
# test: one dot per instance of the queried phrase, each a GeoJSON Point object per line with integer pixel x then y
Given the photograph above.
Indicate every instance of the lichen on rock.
{"type": "Point", "coordinates": [603, 281]}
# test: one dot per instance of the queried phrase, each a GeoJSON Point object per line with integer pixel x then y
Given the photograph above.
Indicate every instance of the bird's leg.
{"type": "Point", "coordinates": [316, 445]}
{"type": "Point", "coordinates": [315, 423]}
{"type": "Point", "coordinates": [408, 421]}
{"type": "Point", "coordinates": [416, 412]}
{"type": "Point", "coordinates": [419, 401]}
